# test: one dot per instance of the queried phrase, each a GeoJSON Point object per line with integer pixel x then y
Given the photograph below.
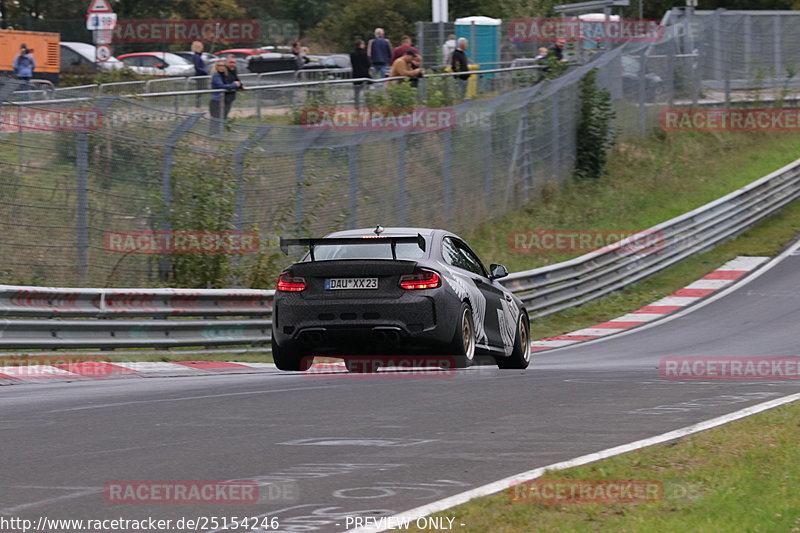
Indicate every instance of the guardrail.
{"type": "Point", "coordinates": [48, 318]}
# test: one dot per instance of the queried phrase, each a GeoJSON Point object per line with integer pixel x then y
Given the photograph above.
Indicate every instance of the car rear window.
{"type": "Point", "coordinates": [377, 250]}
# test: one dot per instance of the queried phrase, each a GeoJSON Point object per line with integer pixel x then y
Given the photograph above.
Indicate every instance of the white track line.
{"type": "Point", "coordinates": [505, 483]}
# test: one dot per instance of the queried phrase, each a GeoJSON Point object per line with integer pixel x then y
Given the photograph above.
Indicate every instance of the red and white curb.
{"type": "Point", "coordinates": [708, 284]}
{"type": "Point", "coordinates": [84, 370]}
{"type": "Point", "coordinates": [89, 370]}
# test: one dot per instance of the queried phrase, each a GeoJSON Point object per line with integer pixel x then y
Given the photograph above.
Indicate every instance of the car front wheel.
{"type": "Point", "coordinates": [520, 356]}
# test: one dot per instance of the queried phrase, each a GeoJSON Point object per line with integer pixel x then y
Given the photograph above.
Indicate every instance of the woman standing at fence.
{"type": "Point", "coordinates": [24, 65]}
{"type": "Point", "coordinates": [217, 103]}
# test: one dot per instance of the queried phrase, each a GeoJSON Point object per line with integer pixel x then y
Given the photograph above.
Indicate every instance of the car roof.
{"type": "Point", "coordinates": [231, 50]}
{"type": "Point", "coordinates": [425, 232]}
{"type": "Point", "coordinates": [85, 49]}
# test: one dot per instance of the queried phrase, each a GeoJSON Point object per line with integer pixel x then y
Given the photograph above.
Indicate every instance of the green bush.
{"type": "Point", "coordinates": [594, 136]}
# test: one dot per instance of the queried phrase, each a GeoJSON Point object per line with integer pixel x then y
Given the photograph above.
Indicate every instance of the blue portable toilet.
{"type": "Point", "coordinates": [483, 34]}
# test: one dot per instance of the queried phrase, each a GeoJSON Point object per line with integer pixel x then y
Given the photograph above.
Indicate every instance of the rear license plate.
{"type": "Point", "coordinates": [350, 283]}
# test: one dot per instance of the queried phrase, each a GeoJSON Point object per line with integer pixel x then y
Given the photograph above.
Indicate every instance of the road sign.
{"type": "Point", "coordinates": [102, 53]}
{"type": "Point", "coordinates": [100, 6]}
{"type": "Point", "coordinates": [101, 21]}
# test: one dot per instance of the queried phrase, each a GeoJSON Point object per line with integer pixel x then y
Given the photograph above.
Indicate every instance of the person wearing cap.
{"type": "Point", "coordinates": [405, 66]}
{"type": "Point", "coordinates": [557, 48]}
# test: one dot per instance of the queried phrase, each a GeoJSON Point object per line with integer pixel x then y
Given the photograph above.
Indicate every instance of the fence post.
{"type": "Point", "coordinates": [488, 161]}
{"type": "Point", "coordinates": [671, 78]}
{"type": "Point", "coordinates": [238, 165]}
{"type": "Point", "coordinates": [352, 163]}
{"type": "Point", "coordinates": [777, 44]}
{"type": "Point", "coordinates": [82, 205]}
{"type": "Point", "coordinates": [421, 38]}
{"type": "Point", "coordinates": [299, 178]}
{"type": "Point", "coordinates": [642, 93]}
{"type": "Point", "coordinates": [401, 180]}
{"type": "Point", "coordinates": [447, 171]}
{"type": "Point", "coordinates": [554, 119]}
{"type": "Point", "coordinates": [166, 182]}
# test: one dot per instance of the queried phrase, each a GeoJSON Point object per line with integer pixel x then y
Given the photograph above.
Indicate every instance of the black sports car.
{"type": "Point", "coordinates": [380, 292]}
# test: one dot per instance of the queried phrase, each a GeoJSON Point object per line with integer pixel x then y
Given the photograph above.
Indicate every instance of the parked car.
{"type": "Point", "coordinates": [327, 61]}
{"type": "Point", "coordinates": [82, 56]}
{"type": "Point", "coordinates": [654, 87]}
{"type": "Point", "coordinates": [158, 64]}
{"type": "Point", "coordinates": [238, 53]}
{"type": "Point", "coordinates": [395, 290]}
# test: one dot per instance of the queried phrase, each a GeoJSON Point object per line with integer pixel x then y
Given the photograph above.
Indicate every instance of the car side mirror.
{"type": "Point", "coordinates": [497, 271]}
{"type": "Point", "coordinates": [159, 65]}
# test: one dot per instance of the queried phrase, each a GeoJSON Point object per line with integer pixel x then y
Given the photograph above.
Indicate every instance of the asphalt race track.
{"type": "Point", "coordinates": [327, 447]}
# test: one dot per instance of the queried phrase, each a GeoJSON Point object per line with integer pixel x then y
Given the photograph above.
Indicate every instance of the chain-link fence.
{"type": "Point", "coordinates": [119, 166]}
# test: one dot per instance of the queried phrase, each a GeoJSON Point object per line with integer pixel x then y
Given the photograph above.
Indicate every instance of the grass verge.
{"type": "Point", "coordinates": [737, 477]}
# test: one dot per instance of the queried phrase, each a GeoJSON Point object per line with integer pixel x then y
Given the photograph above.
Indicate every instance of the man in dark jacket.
{"type": "Point", "coordinates": [459, 62]}
{"type": "Point", "coordinates": [379, 51]}
{"type": "Point", "coordinates": [360, 63]}
{"type": "Point", "coordinates": [231, 77]}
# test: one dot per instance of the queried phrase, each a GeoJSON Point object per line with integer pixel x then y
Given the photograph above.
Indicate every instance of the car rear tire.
{"type": "Point", "coordinates": [462, 347]}
{"type": "Point", "coordinates": [290, 360]}
{"type": "Point", "coordinates": [520, 356]}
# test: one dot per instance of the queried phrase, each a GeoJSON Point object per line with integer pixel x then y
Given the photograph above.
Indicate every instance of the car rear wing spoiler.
{"type": "Point", "coordinates": [367, 239]}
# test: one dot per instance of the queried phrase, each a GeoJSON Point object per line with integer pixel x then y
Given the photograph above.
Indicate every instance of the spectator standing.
{"type": "Point", "coordinates": [459, 62]}
{"type": "Point", "coordinates": [557, 48]}
{"type": "Point", "coordinates": [405, 46]}
{"type": "Point", "coordinates": [542, 56]}
{"type": "Point", "coordinates": [231, 77]}
{"type": "Point", "coordinates": [24, 65]}
{"type": "Point", "coordinates": [379, 51]}
{"type": "Point", "coordinates": [447, 49]}
{"type": "Point", "coordinates": [200, 68]}
{"type": "Point", "coordinates": [405, 66]}
{"type": "Point", "coordinates": [217, 103]}
{"type": "Point", "coordinates": [360, 64]}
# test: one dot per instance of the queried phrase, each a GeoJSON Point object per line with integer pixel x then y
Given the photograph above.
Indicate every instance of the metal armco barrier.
{"type": "Point", "coordinates": [51, 318]}
{"type": "Point", "coordinates": [45, 317]}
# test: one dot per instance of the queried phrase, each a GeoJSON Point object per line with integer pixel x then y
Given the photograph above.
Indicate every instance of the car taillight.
{"type": "Point", "coordinates": [421, 279]}
{"type": "Point", "coordinates": [288, 283]}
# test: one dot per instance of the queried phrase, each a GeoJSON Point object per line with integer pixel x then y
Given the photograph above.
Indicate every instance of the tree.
{"type": "Point", "coordinates": [358, 19]}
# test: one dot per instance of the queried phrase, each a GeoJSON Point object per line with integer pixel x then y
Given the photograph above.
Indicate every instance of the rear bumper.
{"type": "Point", "coordinates": [358, 326]}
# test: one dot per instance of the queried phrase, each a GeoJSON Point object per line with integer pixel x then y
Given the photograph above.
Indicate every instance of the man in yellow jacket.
{"type": "Point", "coordinates": [405, 66]}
